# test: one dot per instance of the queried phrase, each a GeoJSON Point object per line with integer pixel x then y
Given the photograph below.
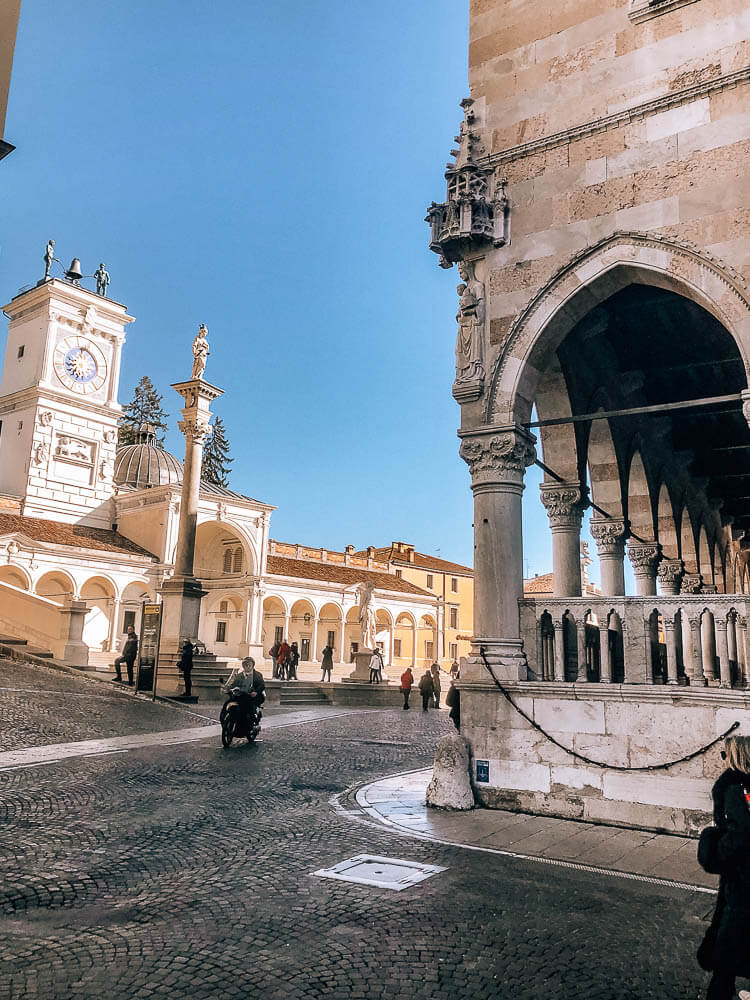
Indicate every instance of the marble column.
{"type": "Point", "coordinates": [691, 650]}
{"type": "Point", "coordinates": [182, 594]}
{"type": "Point", "coordinates": [670, 639]}
{"type": "Point", "coordinates": [670, 572]}
{"type": "Point", "coordinates": [605, 659]}
{"type": "Point", "coordinates": [565, 504]}
{"type": "Point", "coordinates": [583, 675]}
{"type": "Point", "coordinates": [644, 557]}
{"type": "Point", "coordinates": [559, 665]}
{"type": "Point", "coordinates": [497, 460]}
{"type": "Point", "coordinates": [722, 650]}
{"type": "Point", "coordinates": [609, 535]}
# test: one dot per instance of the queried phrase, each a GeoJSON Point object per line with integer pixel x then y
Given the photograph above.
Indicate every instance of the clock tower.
{"type": "Point", "coordinates": [58, 402]}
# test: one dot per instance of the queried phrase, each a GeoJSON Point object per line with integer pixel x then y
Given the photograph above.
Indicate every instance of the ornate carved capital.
{"type": "Point", "coordinates": [498, 457]}
{"type": "Point", "coordinates": [195, 430]}
{"type": "Point", "coordinates": [610, 534]}
{"type": "Point", "coordinates": [644, 557]}
{"type": "Point", "coordinates": [670, 572]}
{"type": "Point", "coordinates": [691, 583]}
{"type": "Point", "coordinates": [565, 503]}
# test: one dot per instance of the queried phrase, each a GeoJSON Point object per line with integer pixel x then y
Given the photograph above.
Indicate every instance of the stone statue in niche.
{"type": "Point", "coordinates": [471, 312]}
{"type": "Point", "coordinates": [68, 447]}
{"type": "Point", "coordinates": [200, 352]}
{"type": "Point", "coordinates": [367, 615]}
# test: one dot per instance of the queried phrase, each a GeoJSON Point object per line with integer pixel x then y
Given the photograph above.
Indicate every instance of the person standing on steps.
{"type": "Point", "coordinates": [435, 671]}
{"type": "Point", "coordinates": [376, 666]}
{"type": "Point", "coordinates": [128, 653]}
{"type": "Point", "coordinates": [185, 666]}
{"type": "Point", "coordinates": [292, 663]}
{"type": "Point", "coordinates": [426, 689]}
{"type": "Point", "coordinates": [326, 662]}
{"type": "Point", "coordinates": [407, 682]}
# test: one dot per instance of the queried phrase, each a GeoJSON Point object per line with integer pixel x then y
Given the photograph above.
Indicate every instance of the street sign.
{"type": "Point", "coordinates": [483, 771]}
{"type": "Point", "coordinates": [148, 647]}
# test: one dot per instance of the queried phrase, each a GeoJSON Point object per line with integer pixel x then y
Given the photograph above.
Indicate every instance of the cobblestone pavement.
{"type": "Point", "coordinates": [185, 872]}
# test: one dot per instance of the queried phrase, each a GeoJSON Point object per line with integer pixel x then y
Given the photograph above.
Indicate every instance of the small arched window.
{"type": "Point", "coordinates": [228, 561]}
{"type": "Point", "coordinates": [223, 607]}
{"type": "Point", "coordinates": [238, 560]}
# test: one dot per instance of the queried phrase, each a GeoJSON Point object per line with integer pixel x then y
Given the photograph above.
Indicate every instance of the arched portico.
{"type": "Point", "coordinates": [16, 576]}
{"type": "Point", "coordinates": [585, 329]}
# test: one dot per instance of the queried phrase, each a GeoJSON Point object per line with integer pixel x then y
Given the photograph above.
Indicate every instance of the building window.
{"type": "Point", "coordinates": [20, 351]}
{"type": "Point", "coordinates": [128, 619]}
{"type": "Point", "coordinates": [429, 581]}
{"type": "Point", "coordinates": [454, 585]}
{"type": "Point", "coordinates": [331, 639]}
{"type": "Point", "coordinates": [428, 649]}
{"type": "Point", "coordinates": [221, 631]}
{"type": "Point", "coordinates": [278, 634]}
{"type": "Point", "coordinates": [454, 618]}
{"type": "Point", "coordinates": [228, 561]}
{"type": "Point", "coordinates": [399, 574]}
{"type": "Point", "coordinates": [238, 560]}
{"type": "Point", "coordinates": [454, 650]}
{"type": "Point", "coordinates": [223, 607]}
{"type": "Point", "coordinates": [397, 647]}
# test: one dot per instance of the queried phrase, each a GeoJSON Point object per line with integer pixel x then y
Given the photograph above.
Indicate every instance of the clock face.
{"type": "Point", "coordinates": [80, 365]}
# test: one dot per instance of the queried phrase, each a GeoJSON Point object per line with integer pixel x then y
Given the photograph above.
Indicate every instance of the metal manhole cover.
{"type": "Point", "coordinates": [386, 873]}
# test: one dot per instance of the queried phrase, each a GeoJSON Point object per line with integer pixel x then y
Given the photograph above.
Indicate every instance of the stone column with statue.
{"type": "Point", "coordinates": [367, 627]}
{"type": "Point", "coordinates": [182, 593]}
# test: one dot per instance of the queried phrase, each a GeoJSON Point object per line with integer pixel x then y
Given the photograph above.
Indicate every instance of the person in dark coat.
{"type": "Point", "coordinates": [292, 663]}
{"type": "Point", "coordinates": [725, 950]}
{"type": "Point", "coordinates": [436, 688]}
{"type": "Point", "coordinates": [185, 666]}
{"type": "Point", "coordinates": [327, 662]}
{"type": "Point", "coordinates": [426, 689]}
{"type": "Point", "coordinates": [127, 655]}
{"type": "Point", "coordinates": [453, 701]}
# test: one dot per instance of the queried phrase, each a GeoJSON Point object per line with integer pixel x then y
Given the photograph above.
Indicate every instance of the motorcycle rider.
{"type": "Point", "coordinates": [251, 686]}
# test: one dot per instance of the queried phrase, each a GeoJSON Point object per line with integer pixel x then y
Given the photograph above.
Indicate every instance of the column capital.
{"type": "Point", "coordinates": [644, 557]}
{"type": "Point", "coordinates": [670, 573]}
{"type": "Point", "coordinates": [497, 455]}
{"type": "Point", "coordinates": [691, 583]}
{"type": "Point", "coordinates": [610, 533]}
{"type": "Point", "coordinates": [195, 429]}
{"type": "Point", "coordinates": [565, 503]}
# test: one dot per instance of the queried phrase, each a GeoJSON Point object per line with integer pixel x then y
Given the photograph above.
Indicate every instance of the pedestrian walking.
{"type": "Point", "coordinates": [128, 653]}
{"type": "Point", "coordinates": [185, 666]}
{"type": "Point", "coordinates": [426, 689]}
{"type": "Point", "coordinates": [454, 670]}
{"type": "Point", "coordinates": [407, 682]}
{"type": "Point", "coordinates": [326, 662]}
{"type": "Point", "coordinates": [435, 671]}
{"type": "Point", "coordinates": [282, 659]}
{"type": "Point", "coordinates": [273, 652]}
{"type": "Point", "coordinates": [291, 670]}
{"type": "Point", "coordinates": [453, 701]}
{"type": "Point", "coordinates": [376, 666]}
{"type": "Point", "coordinates": [726, 851]}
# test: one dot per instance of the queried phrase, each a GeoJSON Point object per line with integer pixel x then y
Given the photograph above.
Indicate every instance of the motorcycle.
{"type": "Point", "coordinates": [235, 722]}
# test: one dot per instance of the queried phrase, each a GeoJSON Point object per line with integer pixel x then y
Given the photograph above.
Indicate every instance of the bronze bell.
{"type": "Point", "coordinates": [74, 272]}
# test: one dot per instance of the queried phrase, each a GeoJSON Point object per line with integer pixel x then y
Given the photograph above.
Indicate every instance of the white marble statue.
{"type": "Point", "coordinates": [200, 352]}
{"type": "Point", "coordinates": [471, 310]}
{"type": "Point", "coordinates": [367, 615]}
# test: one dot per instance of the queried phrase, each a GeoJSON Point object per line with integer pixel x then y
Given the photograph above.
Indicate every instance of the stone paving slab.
{"type": "Point", "coordinates": [399, 801]}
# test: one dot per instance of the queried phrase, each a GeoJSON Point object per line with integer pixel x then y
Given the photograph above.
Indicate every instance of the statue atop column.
{"type": "Point", "coordinates": [367, 615]}
{"type": "Point", "coordinates": [49, 256]}
{"type": "Point", "coordinates": [200, 352]}
{"type": "Point", "coordinates": [102, 279]}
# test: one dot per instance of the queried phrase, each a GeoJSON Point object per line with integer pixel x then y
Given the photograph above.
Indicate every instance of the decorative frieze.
{"type": "Point", "coordinates": [474, 216]}
{"type": "Point", "coordinates": [564, 503]}
{"type": "Point", "coordinates": [498, 457]}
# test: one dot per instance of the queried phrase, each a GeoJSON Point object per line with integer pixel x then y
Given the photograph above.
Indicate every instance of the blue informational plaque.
{"type": "Point", "coordinates": [483, 770]}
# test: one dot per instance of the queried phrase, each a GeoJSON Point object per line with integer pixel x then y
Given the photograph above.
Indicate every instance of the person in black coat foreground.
{"type": "Point", "coordinates": [725, 950]}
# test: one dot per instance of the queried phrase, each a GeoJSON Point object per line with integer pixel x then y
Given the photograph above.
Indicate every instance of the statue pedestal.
{"type": "Point", "coordinates": [361, 672]}
{"type": "Point", "coordinates": [181, 610]}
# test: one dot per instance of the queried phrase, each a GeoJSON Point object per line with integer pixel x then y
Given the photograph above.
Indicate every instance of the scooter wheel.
{"type": "Point", "coordinates": [227, 732]}
{"type": "Point", "coordinates": [253, 734]}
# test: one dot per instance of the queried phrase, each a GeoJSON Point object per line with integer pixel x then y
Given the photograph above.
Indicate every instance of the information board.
{"type": "Point", "coordinates": [483, 770]}
{"type": "Point", "coordinates": [148, 647]}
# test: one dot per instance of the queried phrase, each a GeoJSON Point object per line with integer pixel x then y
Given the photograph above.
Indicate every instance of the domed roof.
{"type": "Point", "coordinates": [145, 464]}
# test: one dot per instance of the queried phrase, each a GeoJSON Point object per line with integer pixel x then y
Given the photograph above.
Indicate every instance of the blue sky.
{"type": "Point", "coordinates": [265, 169]}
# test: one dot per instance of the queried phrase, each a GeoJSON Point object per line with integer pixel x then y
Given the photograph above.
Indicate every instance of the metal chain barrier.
{"type": "Point", "coordinates": [590, 760]}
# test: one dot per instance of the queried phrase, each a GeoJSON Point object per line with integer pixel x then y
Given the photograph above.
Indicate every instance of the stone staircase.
{"type": "Point", "coordinates": [301, 693]}
{"type": "Point", "coordinates": [22, 646]}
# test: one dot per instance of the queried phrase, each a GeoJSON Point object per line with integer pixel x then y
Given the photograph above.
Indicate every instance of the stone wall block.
{"type": "Point", "coordinates": [633, 814]}
{"type": "Point", "coordinates": [690, 727]}
{"type": "Point", "coordinates": [569, 716]}
{"type": "Point", "coordinates": [517, 775]}
{"type": "Point", "coordinates": [590, 778]}
{"type": "Point", "coordinates": [604, 749]}
{"type": "Point", "coordinates": [653, 789]}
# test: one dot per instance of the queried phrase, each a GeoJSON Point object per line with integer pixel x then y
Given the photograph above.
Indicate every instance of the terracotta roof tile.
{"type": "Point", "coordinates": [79, 536]}
{"type": "Point", "coordinates": [350, 575]}
{"type": "Point", "coordinates": [421, 560]}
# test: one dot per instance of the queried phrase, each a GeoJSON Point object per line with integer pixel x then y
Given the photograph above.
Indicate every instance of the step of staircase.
{"type": "Point", "coordinates": [299, 693]}
{"type": "Point", "coordinates": [11, 640]}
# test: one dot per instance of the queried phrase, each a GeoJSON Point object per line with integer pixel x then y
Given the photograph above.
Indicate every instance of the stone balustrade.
{"type": "Point", "coordinates": [686, 639]}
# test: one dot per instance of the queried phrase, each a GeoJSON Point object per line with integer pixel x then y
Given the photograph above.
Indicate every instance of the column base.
{"type": "Point", "coordinates": [361, 672]}
{"type": "Point", "coordinates": [505, 656]}
{"type": "Point", "coordinates": [181, 609]}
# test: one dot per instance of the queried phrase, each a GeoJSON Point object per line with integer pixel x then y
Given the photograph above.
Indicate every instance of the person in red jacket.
{"type": "Point", "coordinates": [282, 659]}
{"type": "Point", "coordinates": [407, 679]}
